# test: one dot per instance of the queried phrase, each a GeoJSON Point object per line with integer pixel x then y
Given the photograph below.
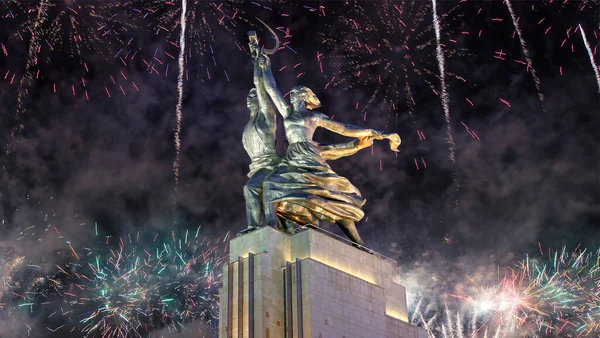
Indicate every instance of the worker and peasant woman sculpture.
{"type": "Point", "coordinates": [298, 189]}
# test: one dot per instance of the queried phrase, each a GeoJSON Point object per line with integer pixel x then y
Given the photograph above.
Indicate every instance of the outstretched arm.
{"type": "Point", "coordinates": [322, 120]}
{"type": "Point", "coordinates": [332, 152]}
{"type": "Point", "coordinates": [271, 87]}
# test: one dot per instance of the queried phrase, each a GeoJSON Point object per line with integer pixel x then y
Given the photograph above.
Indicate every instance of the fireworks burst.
{"type": "Point", "coordinates": [197, 20]}
{"type": "Point", "coordinates": [555, 295]}
{"type": "Point", "coordinates": [125, 287]}
{"type": "Point", "coordinates": [394, 52]}
{"type": "Point", "coordinates": [390, 52]}
{"type": "Point", "coordinates": [82, 32]}
{"type": "Point", "coordinates": [71, 29]}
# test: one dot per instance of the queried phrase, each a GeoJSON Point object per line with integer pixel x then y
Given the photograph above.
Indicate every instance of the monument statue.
{"type": "Point", "coordinates": [302, 188]}
{"type": "Point", "coordinates": [258, 139]}
{"type": "Point", "coordinates": [275, 285]}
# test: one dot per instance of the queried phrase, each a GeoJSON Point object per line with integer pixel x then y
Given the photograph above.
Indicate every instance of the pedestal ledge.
{"type": "Point", "coordinates": [310, 285]}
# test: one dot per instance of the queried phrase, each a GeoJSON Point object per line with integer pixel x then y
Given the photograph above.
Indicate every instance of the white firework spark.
{"type": "Point", "coordinates": [530, 68]}
{"type": "Point", "coordinates": [179, 98]}
{"type": "Point", "coordinates": [444, 94]}
{"type": "Point", "coordinates": [589, 50]}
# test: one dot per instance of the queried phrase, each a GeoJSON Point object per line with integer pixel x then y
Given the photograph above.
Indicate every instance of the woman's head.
{"type": "Point", "coordinates": [252, 100]}
{"type": "Point", "coordinates": [301, 93]}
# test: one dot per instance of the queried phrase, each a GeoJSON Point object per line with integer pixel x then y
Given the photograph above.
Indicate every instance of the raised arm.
{"type": "Point", "coordinates": [264, 105]}
{"type": "Point", "coordinates": [271, 87]}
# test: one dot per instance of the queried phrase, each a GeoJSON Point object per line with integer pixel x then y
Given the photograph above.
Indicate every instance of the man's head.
{"type": "Point", "coordinates": [302, 93]}
{"type": "Point", "coordinates": [252, 101]}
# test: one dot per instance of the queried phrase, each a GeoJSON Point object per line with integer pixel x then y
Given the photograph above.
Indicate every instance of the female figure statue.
{"type": "Point", "coordinates": [303, 188]}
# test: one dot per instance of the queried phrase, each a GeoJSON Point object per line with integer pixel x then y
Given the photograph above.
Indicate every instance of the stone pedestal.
{"type": "Point", "coordinates": [309, 285]}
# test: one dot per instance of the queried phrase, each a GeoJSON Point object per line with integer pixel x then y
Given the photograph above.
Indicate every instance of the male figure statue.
{"type": "Point", "coordinates": [258, 139]}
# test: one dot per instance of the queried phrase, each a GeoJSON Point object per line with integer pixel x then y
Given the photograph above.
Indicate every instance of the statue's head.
{"type": "Point", "coordinates": [301, 93]}
{"type": "Point", "coordinates": [252, 101]}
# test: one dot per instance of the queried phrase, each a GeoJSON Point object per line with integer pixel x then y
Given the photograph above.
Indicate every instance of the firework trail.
{"type": "Point", "coordinates": [196, 21]}
{"type": "Point", "coordinates": [444, 93]}
{"type": "Point", "coordinates": [589, 50]}
{"type": "Point", "coordinates": [179, 99]}
{"type": "Point", "coordinates": [536, 79]}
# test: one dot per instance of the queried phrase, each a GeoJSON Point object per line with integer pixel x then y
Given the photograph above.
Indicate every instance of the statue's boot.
{"type": "Point", "coordinates": [363, 248]}
{"type": "Point", "coordinates": [313, 225]}
{"type": "Point", "coordinates": [290, 227]}
{"type": "Point", "coordinates": [349, 228]}
{"type": "Point", "coordinates": [247, 230]}
{"type": "Point", "coordinates": [285, 226]}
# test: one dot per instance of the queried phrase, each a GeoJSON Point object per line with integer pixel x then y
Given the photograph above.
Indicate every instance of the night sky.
{"type": "Point", "coordinates": [526, 175]}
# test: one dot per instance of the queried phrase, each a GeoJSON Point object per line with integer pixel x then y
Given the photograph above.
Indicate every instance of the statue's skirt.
{"type": "Point", "coordinates": [304, 188]}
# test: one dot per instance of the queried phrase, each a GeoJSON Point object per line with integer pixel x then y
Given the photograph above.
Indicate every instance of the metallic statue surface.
{"type": "Point", "coordinates": [258, 139]}
{"type": "Point", "coordinates": [302, 188]}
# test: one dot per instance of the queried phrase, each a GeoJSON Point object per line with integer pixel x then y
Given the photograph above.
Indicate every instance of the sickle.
{"type": "Point", "coordinates": [274, 49]}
